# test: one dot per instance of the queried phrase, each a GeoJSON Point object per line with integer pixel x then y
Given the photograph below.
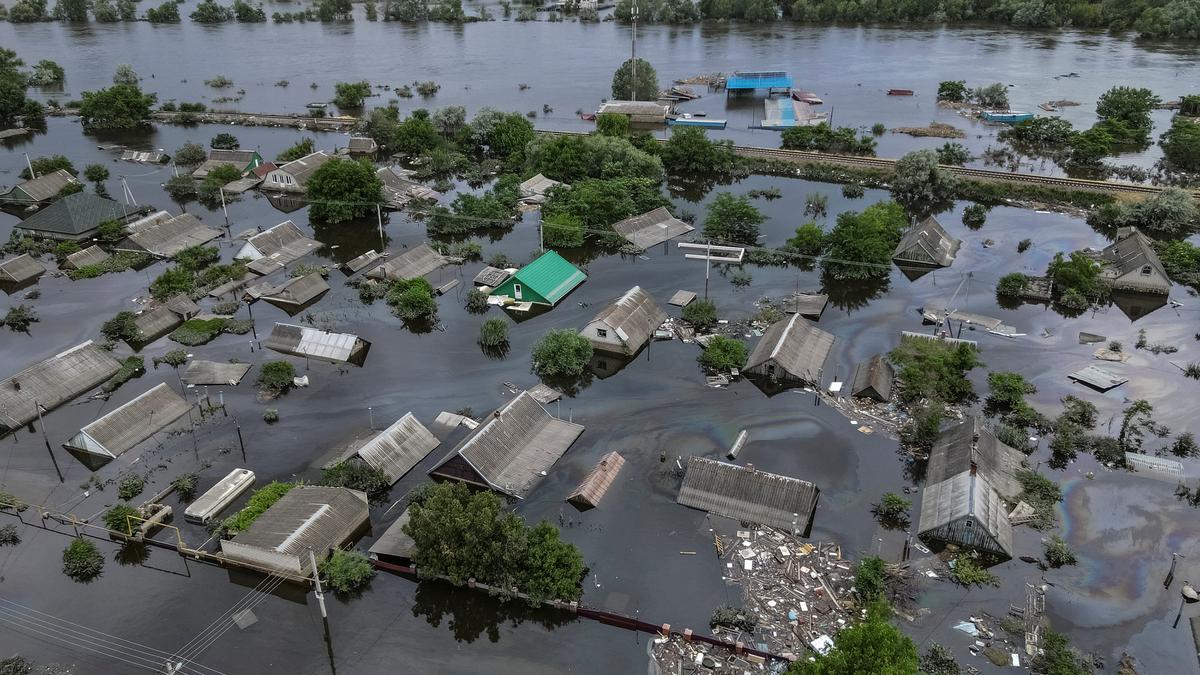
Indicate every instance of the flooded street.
{"type": "Point", "coordinates": [1122, 527]}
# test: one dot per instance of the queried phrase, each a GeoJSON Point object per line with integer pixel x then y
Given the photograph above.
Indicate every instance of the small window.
{"type": "Point", "coordinates": [601, 332]}
{"type": "Point", "coordinates": [1146, 270]}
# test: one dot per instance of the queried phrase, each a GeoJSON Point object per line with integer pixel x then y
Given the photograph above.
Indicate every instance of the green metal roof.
{"type": "Point", "coordinates": [74, 215]}
{"type": "Point", "coordinates": [550, 276]}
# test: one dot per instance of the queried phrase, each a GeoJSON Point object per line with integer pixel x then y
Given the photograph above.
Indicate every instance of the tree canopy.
{"type": "Point", "coordinates": [343, 189]}
{"type": "Point", "coordinates": [626, 88]}
{"type": "Point", "coordinates": [920, 183]}
{"type": "Point", "coordinates": [733, 219]}
{"type": "Point", "coordinates": [872, 646]}
{"type": "Point", "coordinates": [120, 106]}
{"type": "Point", "coordinates": [867, 237]}
{"type": "Point", "coordinates": [561, 353]}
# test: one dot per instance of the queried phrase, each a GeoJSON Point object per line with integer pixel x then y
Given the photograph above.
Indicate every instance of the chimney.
{"type": "Point", "coordinates": [750, 467]}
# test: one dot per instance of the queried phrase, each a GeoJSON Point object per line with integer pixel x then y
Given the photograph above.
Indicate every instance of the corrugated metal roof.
{"type": "Point", "coordinates": [796, 346]}
{"type": "Point", "coordinates": [1130, 253]}
{"type": "Point", "coordinates": [92, 255]}
{"type": "Point", "coordinates": [318, 344]}
{"type": "Point", "coordinates": [651, 228]}
{"type": "Point", "coordinates": [955, 509]}
{"type": "Point", "coordinates": [302, 169]}
{"type": "Point", "coordinates": [144, 157]}
{"type": "Point", "coordinates": [599, 479]}
{"type": "Point", "coordinates": [308, 516]}
{"type": "Point", "coordinates": [20, 269]}
{"type": "Point", "coordinates": [550, 276]}
{"type": "Point", "coordinates": [73, 215]}
{"type": "Point", "coordinates": [927, 243]}
{"type": "Point", "coordinates": [394, 542]}
{"type": "Point", "coordinates": [415, 262]}
{"type": "Point", "coordinates": [241, 157]}
{"type": "Point", "coordinates": [364, 144]}
{"type": "Point", "coordinates": [41, 188]}
{"type": "Point", "coordinates": [297, 291]}
{"type": "Point", "coordinates": [400, 447]}
{"type": "Point", "coordinates": [516, 445]}
{"type": "Point", "coordinates": [124, 428]}
{"type": "Point", "coordinates": [283, 244]}
{"type": "Point", "coordinates": [807, 305]}
{"type": "Point", "coordinates": [873, 379]}
{"type": "Point", "coordinates": [155, 323]}
{"type": "Point", "coordinates": [539, 185]}
{"type": "Point", "coordinates": [748, 495]}
{"type": "Point", "coordinates": [53, 382]}
{"type": "Point", "coordinates": [1099, 378]}
{"type": "Point", "coordinates": [358, 263]}
{"type": "Point", "coordinates": [971, 443]}
{"type": "Point", "coordinates": [632, 318]}
{"type": "Point", "coordinates": [215, 372]}
{"type": "Point", "coordinates": [759, 79]}
{"type": "Point", "coordinates": [682, 298]}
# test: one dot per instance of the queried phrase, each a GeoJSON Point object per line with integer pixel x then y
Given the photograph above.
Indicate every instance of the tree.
{"type": "Point", "coordinates": [1170, 214]}
{"type": "Point", "coordinates": [994, 96]}
{"type": "Point", "coordinates": [224, 141]}
{"type": "Point", "coordinates": [122, 518]}
{"type": "Point", "coordinates": [868, 238]}
{"type": "Point", "coordinates": [967, 572]}
{"type": "Point", "coordinates": [920, 182]}
{"type": "Point", "coordinates": [358, 475]}
{"type": "Point", "coordinates": [71, 10]}
{"type": "Point", "coordinates": [974, 216]}
{"type": "Point", "coordinates": [275, 377]}
{"type": "Point", "coordinates": [244, 12]}
{"type": "Point", "coordinates": [190, 154]}
{"type": "Point", "coordinates": [82, 561]}
{"type": "Point", "coordinates": [449, 120]}
{"type": "Point", "coordinates": [573, 158]}
{"type": "Point", "coordinates": [690, 153]}
{"type": "Point", "coordinates": [343, 189]}
{"type": "Point", "coordinates": [723, 354]}
{"type": "Point", "coordinates": [1185, 445]}
{"type": "Point", "coordinates": [562, 230]}
{"type": "Point", "coordinates": [1130, 106]}
{"type": "Point", "coordinates": [1088, 148]}
{"type": "Point", "coordinates": [1012, 285]}
{"type": "Point", "coordinates": [13, 84]}
{"type": "Point", "coordinates": [47, 73]}
{"type": "Point", "coordinates": [1135, 422]}
{"type": "Point", "coordinates": [1008, 390]}
{"type": "Point", "coordinates": [28, 11]}
{"type": "Point", "coordinates": [954, 154]}
{"type": "Point", "coordinates": [1079, 273]}
{"type": "Point", "coordinates": [1181, 144]}
{"type": "Point", "coordinates": [172, 282]}
{"type": "Point", "coordinates": [612, 124]}
{"type": "Point", "coordinates": [1057, 657]}
{"type": "Point", "coordinates": [700, 313]}
{"type": "Point", "coordinates": [412, 300]}
{"type": "Point", "coordinates": [347, 572]}
{"type": "Point", "coordinates": [208, 11]}
{"type": "Point", "coordinates": [96, 173]}
{"type": "Point", "coordinates": [300, 149]}
{"type": "Point", "coordinates": [868, 578]}
{"type": "Point", "coordinates": [824, 138]}
{"type": "Point", "coordinates": [733, 220]}
{"type": "Point", "coordinates": [123, 326]}
{"type": "Point", "coordinates": [938, 660]}
{"type": "Point", "coordinates": [892, 510]}
{"type": "Point", "coordinates": [954, 91]}
{"type": "Point", "coordinates": [350, 95]}
{"type": "Point", "coordinates": [121, 106]}
{"type": "Point", "coordinates": [928, 369]}
{"type": "Point", "coordinates": [125, 74]}
{"type": "Point", "coordinates": [334, 10]}
{"type": "Point", "coordinates": [409, 11]}
{"type": "Point", "coordinates": [871, 646]}
{"type": "Point", "coordinates": [561, 353]}
{"type": "Point", "coordinates": [628, 86]}
{"type": "Point", "coordinates": [598, 203]}
{"type": "Point", "coordinates": [809, 240]}
{"type": "Point", "coordinates": [168, 12]}
{"type": "Point", "coordinates": [44, 165]}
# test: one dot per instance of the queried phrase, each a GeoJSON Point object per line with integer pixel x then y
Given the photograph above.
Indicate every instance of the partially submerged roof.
{"type": "Point", "coordinates": [796, 346]}
{"type": "Point", "coordinates": [544, 393]}
{"type": "Point", "coordinates": [39, 189]}
{"type": "Point", "coordinates": [599, 479]}
{"type": "Point", "coordinates": [144, 156]}
{"type": "Point", "coordinates": [166, 238]}
{"type": "Point", "coordinates": [307, 517]}
{"type": "Point", "coordinates": [538, 186]}
{"type": "Point", "coordinates": [807, 305]}
{"type": "Point", "coordinates": [394, 543]}
{"type": "Point", "coordinates": [927, 243]}
{"type": "Point", "coordinates": [682, 298]}
{"type": "Point", "coordinates": [364, 144]}
{"type": "Point", "coordinates": [651, 228]}
{"type": "Point", "coordinates": [154, 323]}
{"type": "Point", "coordinates": [92, 255]}
{"type": "Point", "coordinates": [298, 291]}
{"type": "Point", "coordinates": [302, 169]}
{"type": "Point", "coordinates": [215, 372]}
{"type": "Point", "coordinates": [759, 79]}
{"type": "Point", "coordinates": [873, 379]}
{"type": "Point", "coordinates": [1099, 378]}
{"type": "Point", "coordinates": [971, 446]}
{"type": "Point", "coordinates": [634, 108]}
{"type": "Point", "coordinates": [21, 269]}
{"type": "Point", "coordinates": [53, 382]}
{"type": "Point", "coordinates": [633, 318]}
{"type": "Point", "coordinates": [550, 276]}
{"type": "Point", "coordinates": [361, 262]}
{"type": "Point", "coordinates": [400, 447]}
{"type": "Point", "coordinates": [399, 189]}
{"type": "Point", "coordinates": [282, 244]}
{"type": "Point", "coordinates": [415, 262]}
{"type": "Point", "coordinates": [1131, 253]}
{"type": "Point", "coordinates": [512, 449]}
{"type": "Point", "coordinates": [124, 428]}
{"type": "Point", "coordinates": [73, 216]}
{"type": "Point", "coordinates": [748, 495]}
{"type": "Point", "coordinates": [318, 344]}
{"type": "Point", "coordinates": [966, 510]}
{"type": "Point", "coordinates": [491, 276]}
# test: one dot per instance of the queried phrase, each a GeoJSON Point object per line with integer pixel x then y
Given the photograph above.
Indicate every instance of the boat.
{"type": "Point", "coordinates": [806, 97]}
{"type": "Point", "coordinates": [1006, 116]}
{"type": "Point", "coordinates": [900, 92]}
{"type": "Point", "coordinates": [690, 120]}
{"type": "Point", "coordinates": [587, 117]}
{"type": "Point", "coordinates": [316, 105]}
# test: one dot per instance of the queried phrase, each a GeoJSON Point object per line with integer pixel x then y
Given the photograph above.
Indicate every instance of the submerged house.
{"type": "Point", "coordinates": [308, 517]}
{"type": "Point", "coordinates": [544, 281]}
{"type": "Point", "coordinates": [511, 450]}
{"type": "Point", "coordinates": [749, 495]}
{"type": "Point", "coordinates": [415, 262]}
{"type": "Point", "coordinates": [1131, 264]}
{"type": "Point", "coordinates": [361, 145]}
{"type": "Point", "coordinates": [244, 161]}
{"type": "Point", "coordinates": [651, 228]}
{"type": "Point", "coordinates": [873, 379]}
{"type": "Point", "coordinates": [162, 319]}
{"type": "Point", "coordinates": [38, 190]}
{"type": "Point", "coordinates": [969, 476]}
{"type": "Point", "coordinates": [638, 112]}
{"type": "Point", "coordinates": [19, 272]}
{"type": "Point", "coordinates": [52, 382]}
{"type": "Point", "coordinates": [124, 428]}
{"type": "Point", "coordinates": [591, 490]}
{"type": "Point", "coordinates": [790, 351]}
{"type": "Point", "coordinates": [73, 218]}
{"type": "Point", "coordinates": [92, 255]}
{"type": "Point", "coordinates": [293, 176]}
{"type": "Point", "coordinates": [395, 450]}
{"type": "Point", "coordinates": [281, 245]}
{"type": "Point", "coordinates": [399, 190]}
{"type": "Point", "coordinates": [626, 325]}
{"type": "Point", "coordinates": [535, 190]}
{"type": "Point", "coordinates": [297, 293]}
{"type": "Point", "coordinates": [308, 342]}
{"type": "Point", "coordinates": [926, 244]}
{"type": "Point", "coordinates": [166, 237]}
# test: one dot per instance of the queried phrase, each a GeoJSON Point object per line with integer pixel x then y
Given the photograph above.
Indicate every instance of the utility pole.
{"type": "Point", "coordinates": [312, 559]}
{"type": "Point", "coordinates": [541, 236]}
{"type": "Point", "coordinates": [128, 193]}
{"type": "Point", "coordinates": [632, 55]}
{"type": "Point", "coordinates": [379, 219]}
{"type": "Point", "coordinates": [29, 164]}
{"type": "Point", "coordinates": [707, 266]}
{"type": "Point", "coordinates": [223, 209]}
{"type": "Point", "coordinates": [38, 407]}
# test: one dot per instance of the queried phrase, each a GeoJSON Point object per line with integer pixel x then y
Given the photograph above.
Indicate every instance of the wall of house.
{"type": "Point", "coordinates": [604, 338]}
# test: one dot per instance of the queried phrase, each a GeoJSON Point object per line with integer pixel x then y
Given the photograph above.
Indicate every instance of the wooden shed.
{"type": "Point", "coordinates": [791, 350]}
{"type": "Point", "coordinates": [873, 379]}
{"type": "Point", "coordinates": [589, 492]}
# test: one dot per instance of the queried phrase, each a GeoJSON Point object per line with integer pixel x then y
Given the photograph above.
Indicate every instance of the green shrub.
{"type": "Point", "coordinates": [19, 318]}
{"type": "Point", "coordinates": [493, 333]}
{"type": "Point", "coordinates": [130, 486]}
{"type": "Point", "coordinates": [853, 191]}
{"type": "Point", "coordinates": [723, 354]}
{"type": "Point", "coordinates": [227, 308]}
{"type": "Point", "coordinates": [9, 502]}
{"type": "Point", "coordinates": [347, 572]}
{"type": "Point", "coordinates": [174, 281]}
{"type": "Point", "coordinates": [270, 415]}
{"type": "Point", "coordinates": [118, 519]}
{"type": "Point", "coordinates": [412, 300]}
{"type": "Point", "coordinates": [477, 301]}
{"type": "Point", "coordinates": [122, 327]}
{"type": "Point", "coordinates": [185, 486]}
{"type": "Point", "coordinates": [700, 313]}
{"type": "Point", "coordinates": [934, 370]}
{"type": "Point", "coordinates": [8, 537]}
{"type": "Point", "coordinates": [975, 215]}
{"type": "Point", "coordinates": [262, 499]}
{"type": "Point", "coordinates": [965, 571]}
{"type": "Point", "coordinates": [892, 509]}
{"type": "Point", "coordinates": [82, 561]}
{"type": "Point", "coordinates": [195, 332]}
{"type": "Point", "coordinates": [561, 353]}
{"type": "Point", "coordinates": [358, 475]}
{"type": "Point", "coordinates": [196, 258]}
{"type": "Point", "coordinates": [868, 578]}
{"type": "Point", "coordinates": [131, 367]}
{"type": "Point", "coordinates": [275, 377]}
{"type": "Point", "coordinates": [173, 358]}
{"type": "Point", "coordinates": [1057, 553]}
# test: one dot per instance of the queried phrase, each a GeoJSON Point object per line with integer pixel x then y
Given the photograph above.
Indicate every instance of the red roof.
{"type": "Point", "coordinates": [263, 169]}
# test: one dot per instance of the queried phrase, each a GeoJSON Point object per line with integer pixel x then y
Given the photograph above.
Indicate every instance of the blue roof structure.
{"type": "Point", "coordinates": [759, 79]}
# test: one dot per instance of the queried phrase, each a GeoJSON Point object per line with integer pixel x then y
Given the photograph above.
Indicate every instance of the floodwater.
{"type": "Point", "coordinates": [1123, 528]}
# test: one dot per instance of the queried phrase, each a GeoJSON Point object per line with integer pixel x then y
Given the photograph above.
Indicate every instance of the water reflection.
{"type": "Point", "coordinates": [852, 294]}
{"type": "Point", "coordinates": [470, 613]}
